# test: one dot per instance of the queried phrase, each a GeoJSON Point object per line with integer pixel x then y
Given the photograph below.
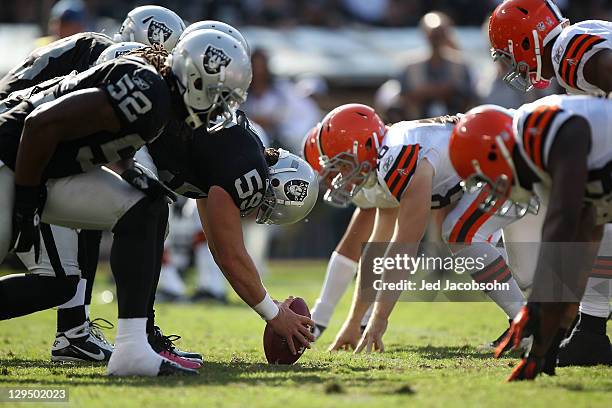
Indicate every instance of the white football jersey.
{"type": "Point", "coordinates": [403, 147]}
{"type": "Point", "coordinates": [537, 124]}
{"type": "Point", "coordinates": [573, 48]}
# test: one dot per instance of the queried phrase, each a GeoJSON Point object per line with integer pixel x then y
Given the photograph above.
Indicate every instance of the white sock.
{"type": "Point", "coordinates": [133, 355]}
{"type": "Point", "coordinates": [210, 276]}
{"type": "Point", "coordinates": [510, 301]}
{"type": "Point", "coordinates": [341, 270]}
{"type": "Point", "coordinates": [596, 299]}
{"type": "Point", "coordinates": [79, 297]}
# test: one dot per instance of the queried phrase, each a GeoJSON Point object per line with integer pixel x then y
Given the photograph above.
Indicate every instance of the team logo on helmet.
{"type": "Point", "coordinates": [214, 59]}
{"type": "Point", "coordinates": [158, 32]}
{"type": "Point", "coordinates": [296, 190]}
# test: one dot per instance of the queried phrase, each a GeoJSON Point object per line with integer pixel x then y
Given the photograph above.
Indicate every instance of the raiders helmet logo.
{"type": "Point", "coordinates": [296, 190]}
{"type": "Point", "coordinates": [214, 59]}
{"type": "Point", "coordinates": [158, 33]}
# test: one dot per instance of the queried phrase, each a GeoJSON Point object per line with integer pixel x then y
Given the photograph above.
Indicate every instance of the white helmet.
{"type": "Point", "coordinates": [117, 50]}
{"type": "Point", "coordinates": [214, 72]}
{"type": "Point", "coordinates": [152, 25]}
{"type": "Point", "coordinates": [219, 26]}
{"type": "Point", "coordinates": [292, 192]}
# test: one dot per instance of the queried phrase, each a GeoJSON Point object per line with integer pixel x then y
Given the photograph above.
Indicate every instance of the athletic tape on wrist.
{"type": "Point", "coordinates": [267, 309]}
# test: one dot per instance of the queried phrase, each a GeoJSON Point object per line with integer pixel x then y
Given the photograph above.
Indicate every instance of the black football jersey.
{"type": "Point", "coordinates": [139, 95]}
{"type": "Point", "coordinates": [77, 52]}
{"type": "Point", "coordinates": [191, 162]}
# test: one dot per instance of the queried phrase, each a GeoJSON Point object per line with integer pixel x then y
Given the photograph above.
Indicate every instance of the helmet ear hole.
{"type": "Point", "coordinates": [275, 182]}
{"type": "Point", "coordinates": [525, 43]}
{"type": "Point", "coordinates": [492, 156]}
{"type": "Point", "coordinates": [369, 144]}
{"type": "Point", "coordinates": [197, 84]}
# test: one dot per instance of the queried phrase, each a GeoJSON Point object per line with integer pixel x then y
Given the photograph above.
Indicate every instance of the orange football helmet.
{"type": "Point", "coordinates": [480, 150]}
{"type": "Point", "coordinates": [348, 142]}
{"type": "Point", "coordinates": [311, 149]}
{"type": "Point", "coordinates": [518, 31]}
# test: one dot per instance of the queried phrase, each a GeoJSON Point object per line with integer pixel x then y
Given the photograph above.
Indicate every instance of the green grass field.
{"type": "Point", "coordinates": [432, 359]}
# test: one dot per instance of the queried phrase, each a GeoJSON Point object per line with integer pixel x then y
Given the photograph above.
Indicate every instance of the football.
{"type": "Point", "coordinates": [276, 347]}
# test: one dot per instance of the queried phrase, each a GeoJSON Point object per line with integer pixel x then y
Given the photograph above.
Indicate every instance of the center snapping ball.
{"type": "Point", "coordinates": [276, 347]}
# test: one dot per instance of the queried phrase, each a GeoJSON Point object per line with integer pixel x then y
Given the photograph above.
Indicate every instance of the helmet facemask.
{"type": "Point", "coordinates": [350, 177]}
{"type": "Point", "coordinates": [520, 75]}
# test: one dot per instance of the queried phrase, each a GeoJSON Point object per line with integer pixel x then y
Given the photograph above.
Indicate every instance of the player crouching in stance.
{"type": "Point", "coordinates": [405, 172]}
{"type": "Point", "coordinates": [560, 145]}
{"type": "Point", "coordinates": [538, 43]}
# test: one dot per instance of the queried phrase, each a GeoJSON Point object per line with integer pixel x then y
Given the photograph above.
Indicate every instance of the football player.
{"type": "Point", "coordinates": [78, 338]}
{"type": "Point", "coordinates": [560, 145]}
{"type": "Point", "coordinates": [407, 165]}
{"type": "Point", "coordinates": [343, 263]}
{"type": "Point", "coordinates": [101, 116]}
{"type": "Point", "coordinates": [539, 44]}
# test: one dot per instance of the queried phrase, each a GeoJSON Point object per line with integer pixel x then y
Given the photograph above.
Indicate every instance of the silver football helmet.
{"type": "Point", "coordinates": [219, 26]}
{"type": "Point", "coordinates": [214, 73]}
{"type": "Point", "coordinates": [117, 50]}
{"type": "Point", "coordinates": [152, 25]}
{"type": "Point", "coordinates": [292, 192]}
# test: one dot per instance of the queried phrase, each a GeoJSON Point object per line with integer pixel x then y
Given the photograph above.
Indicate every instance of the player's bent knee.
{"type": "Point", "coordinates": [142, 215]}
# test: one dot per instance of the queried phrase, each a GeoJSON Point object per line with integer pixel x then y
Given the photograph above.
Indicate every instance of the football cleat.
{"type": "Point", "coordinates": [524, 345]}
{"type": "Point", "coordinates": [82, 344]}
{"type": "Point", "coordinates": [527, 369]}
{"type": "Point", "coordinates": [170, 368]}
{"type": "Point", "coordinates": [317, 331]}
{"type": "Point", "coordinates": [585, 349]}
{"type": "Point", "coordinates": [164, 346]}
{"type": "Point", "coordinates": [204, 295]}
{"type": "Point", "coordinates": [524, 325]}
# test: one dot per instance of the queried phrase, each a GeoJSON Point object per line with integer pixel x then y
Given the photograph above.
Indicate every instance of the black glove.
{"type": "Point", "coordinates": [29, 202]}
{"type": "Point", "coordinates": [137, 177]}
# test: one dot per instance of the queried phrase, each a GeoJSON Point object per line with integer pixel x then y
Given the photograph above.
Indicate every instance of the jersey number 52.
{"type": "Point", "coordinates": [132, 101]}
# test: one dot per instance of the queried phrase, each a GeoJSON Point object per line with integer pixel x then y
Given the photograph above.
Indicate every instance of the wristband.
{"type": "Point", "coordinates": [267, 309]}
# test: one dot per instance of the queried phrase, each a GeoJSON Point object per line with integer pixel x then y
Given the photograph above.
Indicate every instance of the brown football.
{"type": "Point", "coordinates": [276, 348]}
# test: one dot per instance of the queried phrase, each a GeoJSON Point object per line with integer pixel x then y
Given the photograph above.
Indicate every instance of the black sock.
{"type": "Point", "coordinates": [22, 294]}
{"type": "Point", "coordinates": [137, 237]}
{"type": "Point", "coordinates": [89, 252]}
{"type": "Point", "coordinates": [591, 324]}
{"type": "Point", "coordinates": [70, 318]}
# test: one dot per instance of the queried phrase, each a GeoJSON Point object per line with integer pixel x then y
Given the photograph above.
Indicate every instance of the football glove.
{"type": "Point", "coordinates": [144, 180]}
{"type": "Point", "coordinates": [29, 202]}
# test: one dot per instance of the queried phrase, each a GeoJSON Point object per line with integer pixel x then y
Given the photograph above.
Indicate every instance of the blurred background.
{"type": "Point", "coordinates": [407, 58]}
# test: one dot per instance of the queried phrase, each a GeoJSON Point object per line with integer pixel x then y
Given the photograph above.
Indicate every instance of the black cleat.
{"type": "Point", "coordinates": [585, 349]}
{"type": "Point", "coordinates": [161, 343]}
{"type": "Point", "coordinates": [203, 295]}
{"type": "Point", "coordinates": [168, 368]}
{"type": "Point", "coordinates": [81, 344]}
{"type": "Point", "coordinates": [317, 330]}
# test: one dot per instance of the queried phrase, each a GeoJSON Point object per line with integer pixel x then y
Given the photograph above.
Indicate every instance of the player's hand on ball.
{"type": "Point", "coordinates": [292, 326]}
{"type": "Point", "coordinates": [347, 338]}
{"type": "Point", "coordinates": [372, 336]}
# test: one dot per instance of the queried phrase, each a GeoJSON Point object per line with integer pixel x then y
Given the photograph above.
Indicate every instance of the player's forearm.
{"type": "Point", "coordinates": [242, 275]}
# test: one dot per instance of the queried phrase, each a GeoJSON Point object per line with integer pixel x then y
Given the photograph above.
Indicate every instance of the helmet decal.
{"type": "Point", "coordinates": [158, 32]}
{"type": "Point", "coordinates": [296, 190]}
{"type": "Point", "coordinates": [214, 59]}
